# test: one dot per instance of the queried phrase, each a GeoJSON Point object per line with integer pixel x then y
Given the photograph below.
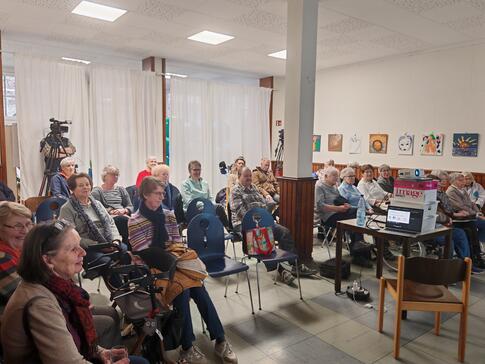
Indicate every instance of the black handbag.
{"type": "Point", "coordinates": [340, 200]}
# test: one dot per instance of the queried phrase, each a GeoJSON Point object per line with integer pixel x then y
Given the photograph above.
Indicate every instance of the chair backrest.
{"type": "Point", "coordinates": [134, 197]}
{"type": "Point", "coordinates": [33, 202]}
{"type": "Point", "coordinates": [262, 216]}
{"type": "Point", "coordinates": [197, 206]}
{"type": "Point", "coordinates": [434, 271]}
{"type": "Point", "coordinates": [205, 234]}
{"type": "Point", "coordinates": [49, 209]}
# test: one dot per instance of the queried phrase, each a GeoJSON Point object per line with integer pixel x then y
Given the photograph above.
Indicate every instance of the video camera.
{"type": "Point", "coordinates": [281, 135]}
{"type": "Point", "coordinates": [223, 168]}
{"type": "Point", "coordinates": [59, 127]}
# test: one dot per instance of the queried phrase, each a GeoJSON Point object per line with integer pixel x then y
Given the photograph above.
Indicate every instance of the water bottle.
{"type": "Point", "coordinates": [361, 212]}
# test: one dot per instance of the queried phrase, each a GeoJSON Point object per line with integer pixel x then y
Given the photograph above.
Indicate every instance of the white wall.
{"type": "Point", "coordinates": [441, 92]}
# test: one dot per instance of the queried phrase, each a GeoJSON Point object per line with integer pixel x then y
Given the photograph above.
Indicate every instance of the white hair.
{"type": "Point", "coordinates": [66, 161]}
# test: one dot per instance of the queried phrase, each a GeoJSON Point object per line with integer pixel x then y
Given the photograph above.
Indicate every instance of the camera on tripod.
{"type": "Point", "coordinates": [59, 127]}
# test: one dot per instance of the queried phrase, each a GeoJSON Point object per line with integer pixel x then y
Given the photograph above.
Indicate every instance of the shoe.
{"type": "Point", "coordinates": [193, 355]}
{"type": "Point", "coordinates": [361, 261]}
{"type": "Point", "coordinates": [476, 270]}
{"type": "Point", "coordinates": [305, 271]}
{"type": "Point", "coordinates": [286, 277]}
{"type": "Point", "coordinates": [224, 351]}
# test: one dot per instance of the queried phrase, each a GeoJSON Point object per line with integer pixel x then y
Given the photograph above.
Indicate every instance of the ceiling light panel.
{"type": "Point", "coordinates": [280, 54]}
{"type": "Point", "coordinates": [97, 11]}
{"type": "Point", "coordinates": [76, 60]}
{"type": "Point", "coordinates": [209, 37]}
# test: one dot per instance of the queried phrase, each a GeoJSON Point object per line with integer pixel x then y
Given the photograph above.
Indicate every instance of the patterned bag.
{"type": "Point", "coordinates": [260, 241]}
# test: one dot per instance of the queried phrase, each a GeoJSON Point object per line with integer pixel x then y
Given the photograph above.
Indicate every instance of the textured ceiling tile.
{"type": "Point", "coordinates": [347, 25]}
{"type": "Point", "coordinates": [53, 4]}
{"type": "Point", "coordinates": [249, 3]}
{"type": "Point", "coordinates": [479, 4]}
{"type": "Point", "coordinates": [263, 20]}
{"type": "Point", "coordinates": [419, 6]}
{"type": "Point", "coordinates": [400, 42]}
{"type": "Point", "coordinates": [160, 38]}
{"type": "Point", "coordinates": [86, 22]}
{"type": "Point", "coordinates": [159, 9]}
{"type": "Point", "coordinates": [452, 12]}
{"type": "Point", "coordinates": [468, 23]}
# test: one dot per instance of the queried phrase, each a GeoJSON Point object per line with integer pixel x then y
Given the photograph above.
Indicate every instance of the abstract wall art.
{"type": "Point", "coordinates": [465, 144]}
{"type": "Point", "coordinates": [405, 144]}
{"type": "Point", "coordinates": [378, 143]}
{"type": "Point", "coordinates": [335, 142]}
{"type": "Point", "coordinates": [432, 144]}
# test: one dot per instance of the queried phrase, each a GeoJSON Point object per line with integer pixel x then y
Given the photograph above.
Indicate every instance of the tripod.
{"type": "Point", "coordinates": [51, 160]}
{"type": "Point", "coordinates": [279, 157]}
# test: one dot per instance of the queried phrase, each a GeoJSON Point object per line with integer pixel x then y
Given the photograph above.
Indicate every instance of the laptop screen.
{"type": "Point", "coordinates": [404, 219]}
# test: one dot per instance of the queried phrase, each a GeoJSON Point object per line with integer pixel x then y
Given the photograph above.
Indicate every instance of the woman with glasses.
{"type": "Point", "coordinates": [15, 223]}
{"type": "Point", "coordinates": [48, 318]}
{"type": "Point", "coordinates": [348, 190]}
{"type": "Point", "coordinates": [372, 191]}
{"type": "Point", "coordinates": [385, 180]}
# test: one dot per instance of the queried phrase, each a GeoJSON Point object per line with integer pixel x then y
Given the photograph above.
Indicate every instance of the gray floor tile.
{"type": "Point", "coordinates": [340, 304]}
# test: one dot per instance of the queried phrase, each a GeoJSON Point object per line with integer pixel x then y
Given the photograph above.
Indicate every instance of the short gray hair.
{"type": "Point", "coordinates": [66, 161]}
{"type": "Point", "coordinates": [109, 169]}
{"type": "Point", "coordinates": [353, 165]}
{"type": "Point", "coordinates": [439, 173]}
{"type": "Point", "coordinates": [469, 174]}
{"type": "Point", "coordinates": [454, 176]}
{"type": "Point", "coordinates": [347, 171]}
{"type": "Point", "coordinates": [330, 170]}
{"type": "Point", "coordinates": [384, 166]}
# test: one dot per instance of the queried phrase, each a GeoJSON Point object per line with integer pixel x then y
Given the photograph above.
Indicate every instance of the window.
{"type": "Point", "coordinates": [10, 109]}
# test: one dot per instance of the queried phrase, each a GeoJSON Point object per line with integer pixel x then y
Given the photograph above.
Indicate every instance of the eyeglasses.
{"type": "Point", "coordinates": [20, 227]}
{"type": "Point", "coordinates": [352, 176]}
{"type": "Point", "coordinates": [159, 194]}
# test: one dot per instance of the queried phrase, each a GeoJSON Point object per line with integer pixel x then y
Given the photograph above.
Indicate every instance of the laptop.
{"type": "Point", "coordinates": [404, 219]}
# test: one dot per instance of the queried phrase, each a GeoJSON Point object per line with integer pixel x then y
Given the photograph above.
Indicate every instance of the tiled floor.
{"type": "Point", "coordinates": [325, 328]}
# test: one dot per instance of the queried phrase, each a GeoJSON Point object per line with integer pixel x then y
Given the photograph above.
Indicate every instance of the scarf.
{"type": "Point", "coordinates": [14, 253]}
{"type": "Point", "coordinates": [74, 302]}
{"type": "Point", "coordinates": [157, 218]}
{"type": "Point", "coordinates": [93, 232]}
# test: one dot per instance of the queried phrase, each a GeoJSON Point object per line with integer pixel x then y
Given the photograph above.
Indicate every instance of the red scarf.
{"type": "Point", "coordinates": [14, 253]}
{"type": "Point", "coordinates": [74, 302]}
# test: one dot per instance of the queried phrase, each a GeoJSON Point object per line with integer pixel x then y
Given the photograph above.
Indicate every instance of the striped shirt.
{"type": "Point", "coordinates": [9, 279]}
{"type": "Point", "coordinates": [117, 198]}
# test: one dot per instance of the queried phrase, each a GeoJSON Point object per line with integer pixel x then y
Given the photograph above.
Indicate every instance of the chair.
{"type": "Point", "coordinates": [205, 235]}
{"type": "Point", "coordinates": [258, 216]}
{"type": "Point", "coordinates": [33, 202]}
{"type": "Point", "coordinates": [421, 285]}
{"type": "Point", "coordinates": [49, 209]}
{"type": "Point", "coordinates": [197, 206]}
{"type": "Point", "coordinates": [134, 197]}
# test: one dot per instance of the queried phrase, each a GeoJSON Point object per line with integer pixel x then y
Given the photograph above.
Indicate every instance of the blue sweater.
{"type": "Point", "coordinates": [352, 194]}
{"type": "Point", "coordinates": [59, 186]}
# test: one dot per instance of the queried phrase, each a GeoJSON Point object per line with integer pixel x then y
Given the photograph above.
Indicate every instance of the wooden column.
{"type": "Point", "coordinates": [3, 143]}
{"type": "Point", "coordinates": [268, 83]}
{"type": "Point", "coordinates": [150, 64]}
{"type": "Point", "coordinates": [296, 211]}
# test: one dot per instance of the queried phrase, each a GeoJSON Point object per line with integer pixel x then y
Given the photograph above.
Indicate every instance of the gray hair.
{"type": "Point", "coordinates": [347, 171]}
{"type": "Point", "coordinates": [439, 173]}
{"type": "Point", "coordinates": [157, 170]}
{"type": "Point", "coordinates": [454, 176]}
{"type": "Point", "coordinates": [66, 161]}
{"type": "Point", "coordinates": [383, 167]}
{"type": "Point", "coordinates": [353, 165]}
{"type": "Point", "coordinates": [329, 171]}
{"type": "Point", "coordinates": [109, 169]}
{"type": "Point", "coordinates": [469, 175]}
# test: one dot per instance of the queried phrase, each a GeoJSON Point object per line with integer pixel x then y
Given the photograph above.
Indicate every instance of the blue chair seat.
{"type": "Point", "coordinates": [277, 256]}
{"type": "Point", "coordinates": [224, 266]}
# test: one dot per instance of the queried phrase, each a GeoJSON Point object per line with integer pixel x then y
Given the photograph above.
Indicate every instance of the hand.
{"type": "Point", "coordinates": [460, 213]}
{"type": "Point", "coordinates": [344, 207]}
{"type": "Point", "coordinates": [370, 211]}
{"type": "Point", "coordinates": [269, 198]}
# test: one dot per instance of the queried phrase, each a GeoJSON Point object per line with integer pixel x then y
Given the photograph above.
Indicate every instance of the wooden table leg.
{"type": "Point", "coordinates": [448, 242]}
{"type": "Point", "coordinates": [380, 257]}
{"type": "Point", "coordinates": [338, 259]}
{"type": "Point", "coordinates": [405, 247]}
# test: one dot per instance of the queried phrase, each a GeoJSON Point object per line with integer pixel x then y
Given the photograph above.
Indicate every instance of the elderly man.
{"type": "Point", "coordinates": [265, 182]}
{"type": "Point", "coordinates": [151, 162]}
{"type": "Point", "coordinates": [244, 197]}
{"type": "Point", "coordinates": [58, 184]}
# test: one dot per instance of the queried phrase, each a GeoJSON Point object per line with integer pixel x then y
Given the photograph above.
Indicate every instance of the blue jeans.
{"type": "Point", "coordinates": [206, 309]}
{"type": "Point", "coordinates": [459, 242]}
{"type": "Point", "coordinates": [138, 360]}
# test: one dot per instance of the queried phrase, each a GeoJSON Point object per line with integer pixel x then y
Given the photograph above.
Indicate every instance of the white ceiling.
{"type": "Point", "coordinates": [349, 31]}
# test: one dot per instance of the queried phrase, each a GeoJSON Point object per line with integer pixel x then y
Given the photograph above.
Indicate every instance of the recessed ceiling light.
{"type": "Point", "coordinates": [98, 11]}
{"type": "Point", "coordinates": [170, 74]}
{"type": "Point", "coordinates": [209, 37]}
{"type": "Point", "coordinates": [76, 60]}
{"type": "Point", "coordinates": [280, 54]}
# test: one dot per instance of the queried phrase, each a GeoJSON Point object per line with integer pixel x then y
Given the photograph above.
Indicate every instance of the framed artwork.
{"type": "Point", "coordinates": [316, 143]}
{"type": "Point", "coordinates": [335, 142]}
{"type": "Point", "coordinates": [355, 144]}
{"type": "Point", "coordinates": [465, 145]}
{"type": "Point", "coordinates": [378, 143]}
{"type": "Point", "coordinates": [405, 144]}
{"type": "Point", "coordinates": [432, 144]}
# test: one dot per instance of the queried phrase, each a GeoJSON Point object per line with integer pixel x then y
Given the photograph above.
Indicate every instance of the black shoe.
{"type": "Point", "coordinates": [361, 261]}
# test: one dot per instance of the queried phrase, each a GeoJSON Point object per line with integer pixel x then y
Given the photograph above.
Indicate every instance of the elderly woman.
{"type": "Point", "coordinates": [355, 166]}
{"type": "Point", "coordinates": [150, 163]}
{"type": "Point", "coordinates": [475, 190]}
{"type": "Point", "coordinates": [385, 180]}
{"type": "Point", "coordinates": [48, 318]}
{"type": "Point", "coordinates": [147, 229]}
{"type": "Point", "coordinates": [331, 207]}
{"type": "Point", "coordinates": [172, 193]}
{"type": "Point", "coordinates": [194, 187]}
{"type": "Point", "coordinates": [15, 223]}
{"type": "Point", "coordinates": [372, 191]}
{"type": "Point", "coordinates": [348, 191]}
{"type": "Point", "coordinates": [58, 183]}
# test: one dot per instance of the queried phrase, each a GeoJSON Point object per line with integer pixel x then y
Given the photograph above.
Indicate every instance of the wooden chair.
{"type": "Point", "coordinates": [32, 203]}
{"type": "Point", "coordinates": [421, 286]}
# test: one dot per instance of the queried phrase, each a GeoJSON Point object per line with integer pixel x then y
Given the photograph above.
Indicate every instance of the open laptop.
{"type": "Point", "coordinates": [404, 219]}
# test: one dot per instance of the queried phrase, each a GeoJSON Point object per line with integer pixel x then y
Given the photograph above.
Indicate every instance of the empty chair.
{"type": "Point", "coordinates": [197, 206]}
{"type": "Point", "coordinates": [49, 209]}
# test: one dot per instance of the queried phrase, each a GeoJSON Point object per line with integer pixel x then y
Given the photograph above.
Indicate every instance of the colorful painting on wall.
{"type": "Point", "coordinates": [335, 142]}
{"type": "Point", "coordinates": [355, 144]}
{"type": "Point", "coordinates": [432, 144]}
{"type": "Point", "coordinates": [317, 142]}
{"type": "Point", "coordinates": [405, 144]}
{"type": "Point", "coordinates": [465, 145]}
{"type": "Point", "coordinates": [378, 143]}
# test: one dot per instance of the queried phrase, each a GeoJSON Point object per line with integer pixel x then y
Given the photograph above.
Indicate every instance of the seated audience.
{"type": "Point", "coordinates": [348, 191]}
{"type": "Point", "coordinates": [329, 163]}
{"type": "Point", "coordinates": [58, 183]}
{"type": "Point", "coordinates": [58, 326]}
{"type": "Point", "coordinates": [172, 193]}
{"type": "Point", "coordinates": [245, 196]}
{"type": "Point", "coordinates": [195, 187]}
{"type": "Point", "coordinates": [6, 194]}
{"type": "Point", "coordinates": [150, 162]}
{"type": "Point", "coordinates": [385, 180]}
{"type": "Point", "coordinates": [355, 166]}
{"type": "Point", "coordinates": [115, 199]}
{"type": "Point", "coordinates": [147, 228]}
{"type": "Point", "coordinates": [474, 189]}
{"type": "Point", "coordinates": [233, 175]}
{"type": "Point", "coordinates": [266, 183]}
{"type": "Point", "coordinates": [372, 191]}
{"type": "Point", "coordinates": [331, 207]}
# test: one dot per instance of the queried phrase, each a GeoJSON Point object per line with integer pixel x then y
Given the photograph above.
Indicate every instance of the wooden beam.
{"type": "Point", "coordinates": [3, 144]}
{"type": "Point", "coordinates": [268, 82]}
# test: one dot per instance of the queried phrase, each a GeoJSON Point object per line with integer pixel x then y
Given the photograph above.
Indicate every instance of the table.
{"type": "Point", "coordinates": [380, 236]}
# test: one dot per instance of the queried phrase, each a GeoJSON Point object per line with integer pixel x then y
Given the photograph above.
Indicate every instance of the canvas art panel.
{"type": "Point", "coordinates": [355, 144]}
{"type": "Point", "coordinates": [405, 144]}
{"type": "Point", "coordinates": [378, 143]}
{"type": "Point", "coordinates": [465, 144]}
{"type": "Point", "coordinates": [316, 143]}
{"type": "Point", "coordinates": [432, 144]}
{"type": "Point", "coordinates": [335, 142]}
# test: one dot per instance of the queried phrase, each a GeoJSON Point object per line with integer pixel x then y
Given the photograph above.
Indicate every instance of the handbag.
{"type": "Point", "coordinates": [260, 241]}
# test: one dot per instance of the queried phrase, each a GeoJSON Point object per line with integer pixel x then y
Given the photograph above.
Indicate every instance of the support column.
{"type": "Point", "coordinates": [297, 185]}
{"type": "Point", "coordinates": [268, 83]}
{"type": "Point", "coordinates": [3, 143]}
{"type": "Point", "coordinates": [157, 64]}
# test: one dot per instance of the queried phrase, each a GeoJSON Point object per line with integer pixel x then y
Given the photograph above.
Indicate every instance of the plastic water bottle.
{"type": "Point", "coordinates": [361, 212]}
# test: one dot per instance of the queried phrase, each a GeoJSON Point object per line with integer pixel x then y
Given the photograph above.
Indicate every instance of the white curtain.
{"type": "Point", "coordinates": [126, 120]}
{"type": "Point", "coordinates": [213, 122]}
{"type": "Point", "coordinates": [48, 89]}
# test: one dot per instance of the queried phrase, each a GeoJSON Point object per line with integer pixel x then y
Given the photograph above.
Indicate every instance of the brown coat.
{"type": "Point", "coordinates": [52, 342]}
{"type": "Point", "coordinates": [461, 201]}
{"type": "Point", "coordinates": [265, 182]}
